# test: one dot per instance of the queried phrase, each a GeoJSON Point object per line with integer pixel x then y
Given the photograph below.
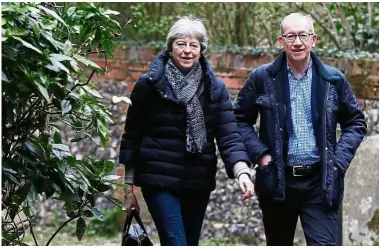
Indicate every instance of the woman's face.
{"type": "Point", "coordinates": [185, 52]}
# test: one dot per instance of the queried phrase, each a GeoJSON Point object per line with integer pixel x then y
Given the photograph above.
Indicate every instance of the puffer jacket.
{"type": "Point", "coordinates": [154, 141]}
{"type": "Point", "coordinates": [266, 92]}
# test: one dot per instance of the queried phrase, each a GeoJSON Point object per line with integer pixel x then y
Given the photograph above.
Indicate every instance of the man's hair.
{"type": "Point", "coordinates": [297, 15]}
{"type": "Point", "coordinates": [188, 26]}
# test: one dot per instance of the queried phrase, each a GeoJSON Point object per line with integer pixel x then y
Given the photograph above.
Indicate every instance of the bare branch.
{"type": "Point", "coordinates": [346, 26]}
{"type": "Point", "coordinates": [369, 14]}
{"type": "Point", "coordinates": [59, 229]}
{"type": "Point", "coordinates": [330, 19]}
{"type": "Point", "coordinates": [321, 24]}
{"type": "Point", "coordinates": [32, 232]}
{"type": "Point", "coordinates": [88, 81]}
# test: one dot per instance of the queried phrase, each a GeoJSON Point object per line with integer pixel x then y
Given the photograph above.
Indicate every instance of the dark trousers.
{"type": "Point", "coordinates": [303, 199]}
{"type": "Point", "coordinates": [178, 217]}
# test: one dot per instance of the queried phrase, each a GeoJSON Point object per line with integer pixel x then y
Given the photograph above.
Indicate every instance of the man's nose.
{"type": "Point", "coordinates": [297, 41]}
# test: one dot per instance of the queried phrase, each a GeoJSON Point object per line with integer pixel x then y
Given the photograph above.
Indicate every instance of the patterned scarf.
{"type": "Point", "coordinates": [185, 90]}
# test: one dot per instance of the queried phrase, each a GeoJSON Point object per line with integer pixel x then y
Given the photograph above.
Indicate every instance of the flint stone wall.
{"type": "Point", "coordinates": [227, 216]}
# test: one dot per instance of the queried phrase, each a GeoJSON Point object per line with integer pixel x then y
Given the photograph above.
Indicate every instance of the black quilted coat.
{"type": "Point", "coordinates": [154, 141]}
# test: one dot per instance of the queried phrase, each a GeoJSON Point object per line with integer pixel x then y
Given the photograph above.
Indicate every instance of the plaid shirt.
{"type": "Point", "coordinates": [302, 145]}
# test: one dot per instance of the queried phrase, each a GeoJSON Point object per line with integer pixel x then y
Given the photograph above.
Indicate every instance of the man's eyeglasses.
{"type": "Point", "coordinates": [292, 37]}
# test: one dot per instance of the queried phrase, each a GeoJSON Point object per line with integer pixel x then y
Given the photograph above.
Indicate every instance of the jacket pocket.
{"type": "Point", "coordinates": [265, 180]}
{"type": "Point", "coordinates": [338, 186]}
{"type": "Point", "coordinates": [263, 100]}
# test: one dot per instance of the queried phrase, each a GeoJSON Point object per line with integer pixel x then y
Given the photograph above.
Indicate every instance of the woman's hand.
{"type": "Point", "coordinates": [246, 186]}
{"type": "Point", "coordinates": [130, 201]}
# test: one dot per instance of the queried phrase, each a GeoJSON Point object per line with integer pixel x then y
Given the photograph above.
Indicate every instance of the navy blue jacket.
{"type": "Point", "coordinates": [266, 92]}
{"type": "Point", "coordinates": [154, 141]}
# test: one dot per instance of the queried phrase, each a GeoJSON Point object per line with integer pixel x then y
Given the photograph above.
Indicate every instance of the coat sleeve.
{"type": "Point", "coordinates": [246, 112]}
{"type": "Point", "coordinates": [353, 126]}
{"type": "Point", "coordinates": [134, 123]}
{"type": "Point", "coordinates": [230, 143]}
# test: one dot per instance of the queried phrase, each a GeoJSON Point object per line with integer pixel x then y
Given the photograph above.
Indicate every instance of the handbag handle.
{"type": "Point", "coordinates": [128, 221]}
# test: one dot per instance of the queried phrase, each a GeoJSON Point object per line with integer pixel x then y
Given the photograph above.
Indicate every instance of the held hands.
{"type": "Point", "coordinates": [246, 186]}
{"type": "Point", "coordinates": [130, 201]}
{"type": "Point", "coordinates": [265, 159]}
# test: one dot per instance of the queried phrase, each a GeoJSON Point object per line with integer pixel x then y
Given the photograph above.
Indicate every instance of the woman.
{"type": "Point", "coordinates": [178, 108]}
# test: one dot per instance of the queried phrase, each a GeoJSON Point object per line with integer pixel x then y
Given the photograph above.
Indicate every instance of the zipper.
{"type": "Point", "coordinates": [278, 122]}
{"type": "Point", "coordinates": [324, 134]}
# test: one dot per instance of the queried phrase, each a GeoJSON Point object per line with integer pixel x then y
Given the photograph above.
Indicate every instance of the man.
{"type": "Point", "coordinates": [301, 167]}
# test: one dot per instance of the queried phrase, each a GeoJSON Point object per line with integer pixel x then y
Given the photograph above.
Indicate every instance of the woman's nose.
{"type": "Point", "coordinates": [187, 49]}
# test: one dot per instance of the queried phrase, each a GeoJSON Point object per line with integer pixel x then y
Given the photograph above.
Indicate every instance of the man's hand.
{"type": "Point", "coordinates": [246, 186]}
{"type": "Point", "coordinates": [130, 202]}
{"type": "Point", "coordinates": [265, 159]}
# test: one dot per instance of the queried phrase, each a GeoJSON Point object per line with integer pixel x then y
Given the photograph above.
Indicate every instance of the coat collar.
{"type": "Point", "coordinates": [320, 68]}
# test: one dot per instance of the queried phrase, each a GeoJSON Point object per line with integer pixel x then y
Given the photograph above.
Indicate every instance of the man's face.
{"type": "Point", "coordinates": [297, 38]}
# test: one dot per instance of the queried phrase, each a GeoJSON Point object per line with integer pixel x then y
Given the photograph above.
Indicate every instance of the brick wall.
{"type": "Point", "coordinates": [130, 62]}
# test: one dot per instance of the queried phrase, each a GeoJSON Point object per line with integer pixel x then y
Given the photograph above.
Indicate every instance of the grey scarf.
{"type": "Point", "coordinates": [185, 90]}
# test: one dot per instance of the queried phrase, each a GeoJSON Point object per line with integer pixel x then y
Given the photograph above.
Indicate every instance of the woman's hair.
{"type": "Point", "coordinates": [188, 26]}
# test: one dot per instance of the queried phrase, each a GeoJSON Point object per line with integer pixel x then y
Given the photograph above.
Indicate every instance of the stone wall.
{"type": "Point", "coordinates": [227, 215]}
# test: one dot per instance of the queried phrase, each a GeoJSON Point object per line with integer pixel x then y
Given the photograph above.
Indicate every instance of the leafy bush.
{"type": "Point", "coordinates": [109, 226]}
{"type": "Point", "coordinates": [44, 86]}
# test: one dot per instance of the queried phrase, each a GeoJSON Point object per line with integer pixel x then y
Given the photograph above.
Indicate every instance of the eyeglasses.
{"type": "Point", "coordinates": [292, 37]}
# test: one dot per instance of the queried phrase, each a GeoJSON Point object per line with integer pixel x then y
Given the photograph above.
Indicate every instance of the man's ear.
{"type": "Point", "coordinates": [280, 41]}
{"type": "Point", "coordinates": [314, 41]}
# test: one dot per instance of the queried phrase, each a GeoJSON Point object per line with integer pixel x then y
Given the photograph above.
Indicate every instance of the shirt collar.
{"type": "Point", "coordinates": [304, 74]}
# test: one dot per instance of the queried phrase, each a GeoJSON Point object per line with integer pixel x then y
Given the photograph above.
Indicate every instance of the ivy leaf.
{"type": "Point", "coordinates": [10, 176]}
{"type": "Point", "coordinates": [65, 106]}
{"type": "Point", "coordinates": [116, 202]}
{"type": "Point", "coordinates": [57, 137]}
{"type": "Point", "coordinates": [42, 90]}
{"type": "Point", "coordinates": [70, 11]}
{"type": "Point", "coordinates": [87, 62]}
{"type": "Point", "coordinates": [97, 214]}
{"type": "Point", "coordinates": [103, 131]}
{"type": "Point", "coordinates": [57, 65]}
{"type": "Point", "coordinates": [81, 228]}
{"type": "Point", "coordinates": [27, 44]}
{"type": "Point", "coordinates": [34, 148]}
{"type": "Point", "coordinates": [61, 57]}
{"type": "Point", "coordinates": [4, 77]}
{"type": "Point", "coordinates": [61, 147]}
{"type": "Point", "coordinates": [107, 44]}
{"type": "Point", "coordinates": [111, 12]}
{"type": "Point", "coordinates": [52, 13]}
{"type": "Point", "coordinates": [33, 200]}
{"type": "Point", "coordinates": [92, 91]}
{"type": "Point", "coordinates": [111, 177]}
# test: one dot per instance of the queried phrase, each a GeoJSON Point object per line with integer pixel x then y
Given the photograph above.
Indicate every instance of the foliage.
{"type": "Point", "coordinates": [44, 86]}
{"type": "Point", "coordinates": [109, 226]}
{"type": "Point", "coordinates": [340, 26]}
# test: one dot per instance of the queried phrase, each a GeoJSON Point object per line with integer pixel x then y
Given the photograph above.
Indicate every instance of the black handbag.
{"type": "Point", "coordinates": [135, 234]}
